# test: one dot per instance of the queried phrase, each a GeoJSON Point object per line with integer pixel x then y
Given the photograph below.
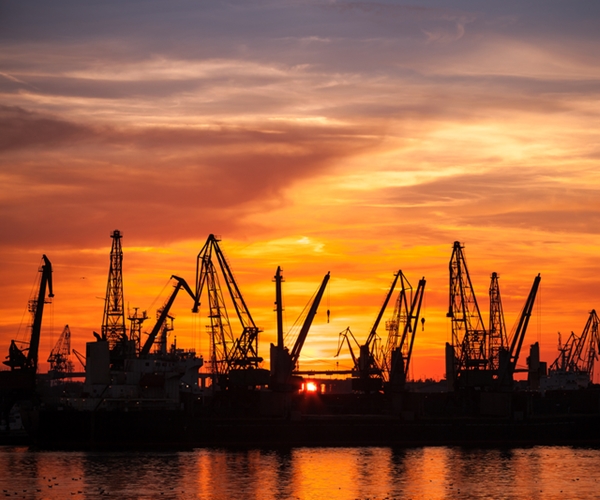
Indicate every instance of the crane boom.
{"type": "Point", "coordinates": [164, 313]}
{"type": "Point", "coordinates": [373, 331]}
{"type": "Point", "coordinates": [36, 328]}
{"type": "Point", "coordinates": [295, 352]}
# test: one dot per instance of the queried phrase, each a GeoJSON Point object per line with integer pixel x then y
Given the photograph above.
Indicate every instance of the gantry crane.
{"type": "Point", "coordinates": [60, 364]}
{"type": "Point", "coordinates": [283, 361]}
{"type": "Point", "coordinates": [228, 353]}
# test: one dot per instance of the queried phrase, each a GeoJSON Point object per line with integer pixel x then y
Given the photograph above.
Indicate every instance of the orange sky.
{"type": "Point", "coordinates": [353, 137]}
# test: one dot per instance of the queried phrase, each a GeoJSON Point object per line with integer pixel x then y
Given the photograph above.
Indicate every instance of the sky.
{"type": "Point", "coordinates": [355, 137]}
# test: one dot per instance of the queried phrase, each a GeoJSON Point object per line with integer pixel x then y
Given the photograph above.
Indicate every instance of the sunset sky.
{"type": "Point", "coordinates": [353, 137]}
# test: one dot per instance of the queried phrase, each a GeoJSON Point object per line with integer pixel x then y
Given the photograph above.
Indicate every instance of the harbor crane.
{"type": "Point", "coordinates": [17, 359]}
{"type": "Point", "coordinates": [233, 358]}
{"type": "Point", "coordinates": [577, 356]}
{"type": "Point", "coordinates": [468, 331]}
{"type": "Point", "coordinates": [60, 364]}
{"type": "Point", "coordinates": [402, 328]}
{"type": "Point", "coordinates": [388, 365]}
{"type": "Point", "coordinates": [20, 382]}
{"type": "Point", "coordinates": [368, 369]}
{"type": "Point", "coordinates": [478, 357]}
{"type": "Point", "coordinates": [510, 356]}
{"type": "Point", "coordinates": [283, 361]}
{"type": "Point", "coordinates": [164, 313]}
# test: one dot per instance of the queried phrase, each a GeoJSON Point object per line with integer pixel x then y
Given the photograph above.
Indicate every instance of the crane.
{"type": "Point", "coordinates": [375, 366]}
{"type": "Point", "coordinates": [164, 313]}
{"type": "Point", "coordinates": [228, 353]}
{"type": "Point", "coordinates": [284, 361]}
{"type": "Point", "coordinates": [60, 364]}
{"type": "Point", "coordinates": [579, 353]}
{"type": "Point", "coordinates": [20, 382]}
{"type": "Point", "coordinates": [468, 331]}
{"type": "Point", "coordinates": [497, 339]}
{"type": "Point", "coordinates": [344, 337]}
{"type": "Point", "coordinates": [477, 357]}
{"type": "Point", "coordinates": [17, 359]}
{"type": "Point", "coordinates": [509, 357]}
{"type": "Point", "coordinates": [402, 329]}
{"type": "Point", "coordinates": [113, 320]}
{"type": "Point", "coordinates": [368, 369]}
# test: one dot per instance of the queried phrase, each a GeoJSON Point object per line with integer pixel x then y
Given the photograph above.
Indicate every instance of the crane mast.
{"type": "Point", "coordinates": [593, 345]}
{"type": "Point", "coordinates": [468, 332]}
{"type": "Point", "coordinates": [497, 330]}
{"type": "Point", "coordinates": [113, 320]}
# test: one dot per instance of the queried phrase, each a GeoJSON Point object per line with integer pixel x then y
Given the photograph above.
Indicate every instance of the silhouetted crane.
{"type": "Point", "coordinates": [402, 328]}
{"type": "Point", "coordinates": [284, 361]}
{"type": "Point", "coordinates": [228, 352]}
{"type": "Point", "coordinates": [20, 382]}
{"type": "Point", "coordinates": [579, 353]}
{"type": "Point", "coordinates": [60, 364]}
{"type": "Point", "coordinates": [164, 313]}
{"type": "Point", "coordinates": [476, 357]}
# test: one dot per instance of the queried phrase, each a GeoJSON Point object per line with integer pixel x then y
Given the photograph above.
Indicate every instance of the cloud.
{"type": "Point", "coordinates": [152, 179]}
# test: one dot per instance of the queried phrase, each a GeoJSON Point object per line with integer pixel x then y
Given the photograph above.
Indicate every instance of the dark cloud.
{"type": "Point", "coordinates": [70, 179]}
{"type": "Point", "coordinates": [20, 129]}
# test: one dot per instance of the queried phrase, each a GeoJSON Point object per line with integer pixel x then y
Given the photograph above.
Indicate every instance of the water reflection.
{"type": "Point", "coordinates": [304, 473]}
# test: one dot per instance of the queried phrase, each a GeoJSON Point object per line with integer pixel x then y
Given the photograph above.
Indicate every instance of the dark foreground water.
{"type": "Point", "coordinates": [304, 473]}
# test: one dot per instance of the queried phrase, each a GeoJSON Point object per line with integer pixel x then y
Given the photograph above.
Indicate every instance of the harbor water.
{"type": "Point", "coordinates": [304, 473]}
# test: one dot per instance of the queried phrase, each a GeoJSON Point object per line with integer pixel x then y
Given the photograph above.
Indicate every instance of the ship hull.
{"type": "Point", "coordinates": [179, 430]}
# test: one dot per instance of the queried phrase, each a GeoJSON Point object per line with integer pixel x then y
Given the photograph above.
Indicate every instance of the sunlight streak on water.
{"type": "Point", "coordinates": [303, 473]}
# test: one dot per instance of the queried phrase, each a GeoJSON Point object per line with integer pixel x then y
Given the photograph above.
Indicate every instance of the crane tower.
{"type": "Point", "coordinates": [113, 321]}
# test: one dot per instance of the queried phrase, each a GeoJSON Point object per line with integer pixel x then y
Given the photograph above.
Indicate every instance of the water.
{"type": "Point", "coordinates": [304, 473]}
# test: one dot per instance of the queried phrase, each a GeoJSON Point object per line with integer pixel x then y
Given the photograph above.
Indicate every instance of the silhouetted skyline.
{"type": "Point", "coordinates": [353, 137]}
